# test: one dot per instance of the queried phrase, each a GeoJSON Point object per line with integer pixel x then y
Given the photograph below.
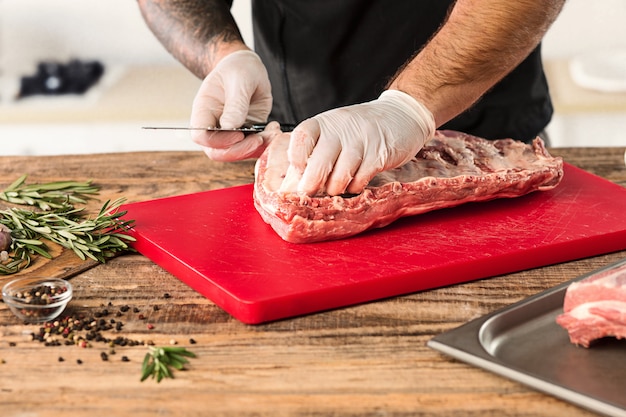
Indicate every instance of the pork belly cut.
{"type": "Point", "coordinates": [595, 307]}
{"type": "Point", "coordinates": [452, 169]}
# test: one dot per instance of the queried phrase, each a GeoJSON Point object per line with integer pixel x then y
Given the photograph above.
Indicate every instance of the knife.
{"type": "Point", "coordinates": [255, 128]}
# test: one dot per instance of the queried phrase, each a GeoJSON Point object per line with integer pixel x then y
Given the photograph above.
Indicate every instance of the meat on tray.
{"type": "Point", "coordinates": [595, 307]}
{"type": "Point", "coordinates": [452, 169]}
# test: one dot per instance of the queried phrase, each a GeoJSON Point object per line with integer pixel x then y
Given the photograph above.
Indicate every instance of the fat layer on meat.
{"type": "Point", "coordinates": [595, 307]}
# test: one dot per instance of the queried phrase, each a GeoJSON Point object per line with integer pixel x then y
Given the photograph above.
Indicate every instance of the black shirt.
{"type": "Point", "coordinates": [322, 54]}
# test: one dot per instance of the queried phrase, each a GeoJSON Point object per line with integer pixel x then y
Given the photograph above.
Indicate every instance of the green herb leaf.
{"type": "Point", "coordinates": [60, 222]}
{"type": "Point", "coordinates": [48, 196]}
{"type": "Point", "coordinates": [159, 361]}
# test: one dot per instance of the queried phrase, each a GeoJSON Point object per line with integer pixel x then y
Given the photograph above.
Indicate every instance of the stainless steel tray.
{"type": "Point", "coordinates": [522, 342]}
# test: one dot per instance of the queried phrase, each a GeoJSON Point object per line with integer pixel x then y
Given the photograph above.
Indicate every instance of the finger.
{"type": "Point", "coordinates": [291, 180]}
{"type": "Point", "coordinates": [237, 96]}
{"type": "Point", "coordinates": [343, 172]}
{"type": "Point", "coordinates": [272, 127]}
{"type": "Point", "coordinates": [259, 109]}
{"type": "Point", "coordinates": [319, 165]}
{"type": "Point", "coordinates": [205, 111]}
{"type": "Point", "coordinates": [358, 184]}
{"type": "Point", "coordinates": [366, 171]}
{"type": "Point", "coordinates": [216, 139]}
{"type": "Point", "coordinates": [250, 147]}
{"type": "Point", "coordinates": [206, 107]}
{"type": "Point", "coordinates": [271, 131]}
{"type": "Point", "coordinates": [302, 141]}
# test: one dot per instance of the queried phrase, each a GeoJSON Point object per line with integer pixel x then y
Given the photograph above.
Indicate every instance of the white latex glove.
{"type": "Point", "coordinates": [236, 92]}
{"type": "Point", "coordinates": [341, 150]}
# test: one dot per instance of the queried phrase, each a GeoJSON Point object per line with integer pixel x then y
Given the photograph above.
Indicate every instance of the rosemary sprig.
{"type": "Point", "coordinates": [98, 238]}
{"type": "Point", "coordinates": [159, 361]}
{"type": "Point", "coordinates": [58, 221]}
{"type": "Point", "coordinates": [47, 196]}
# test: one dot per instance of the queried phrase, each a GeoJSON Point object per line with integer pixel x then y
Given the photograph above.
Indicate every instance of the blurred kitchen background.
{"type": "Point", "coordinates": [142, 85]}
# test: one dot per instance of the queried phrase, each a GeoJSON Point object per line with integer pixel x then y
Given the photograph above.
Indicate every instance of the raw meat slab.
{"type": "Point", "coordinates": [596, 307]}
{"type": "Point", "coordinates": [217, 243]}
{"type": "Point", "coordinates": [454, 168]}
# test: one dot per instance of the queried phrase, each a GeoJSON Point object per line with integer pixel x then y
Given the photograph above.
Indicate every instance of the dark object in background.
{"type": "Point", "coordinates": [53, 78]}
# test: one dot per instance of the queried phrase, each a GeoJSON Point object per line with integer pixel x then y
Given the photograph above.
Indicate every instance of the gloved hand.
{"type": "Point", "coordinates": [342, 149]}
{"type": "Point", "coordinates": [236, 92]}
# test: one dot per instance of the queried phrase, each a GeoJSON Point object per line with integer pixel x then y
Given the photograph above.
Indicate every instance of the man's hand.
{"type": "Point", "coordinates": [237, 91]}
{"type": "Point", "coordinates": [341, 150]}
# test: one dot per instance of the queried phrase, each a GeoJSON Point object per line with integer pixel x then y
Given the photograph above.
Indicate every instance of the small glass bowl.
{"type": "Point", "coordinates": [37, 300]}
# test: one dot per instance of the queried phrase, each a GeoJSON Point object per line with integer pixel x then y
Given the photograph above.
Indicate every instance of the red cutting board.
{"type": "Point", "coordinates": [217, 243]}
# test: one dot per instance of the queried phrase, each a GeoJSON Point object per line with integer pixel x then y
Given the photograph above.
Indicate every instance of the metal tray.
{"type": "Point", "coordinates": [523, 342]}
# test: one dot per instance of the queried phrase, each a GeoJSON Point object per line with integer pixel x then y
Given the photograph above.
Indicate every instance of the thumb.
{"type": "Point", "coordinates": [235, 111]}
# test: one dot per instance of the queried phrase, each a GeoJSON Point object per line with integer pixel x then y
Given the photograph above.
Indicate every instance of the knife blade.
{"type": "Point", "coordinates": [255, 128]}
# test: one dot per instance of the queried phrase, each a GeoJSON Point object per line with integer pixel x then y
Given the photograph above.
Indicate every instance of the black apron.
{"type": "Point", "coordinates": [322, 54]}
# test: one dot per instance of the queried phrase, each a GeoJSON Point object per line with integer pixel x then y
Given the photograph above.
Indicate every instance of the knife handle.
{"type": "Point", "coordinates": [287, 127]}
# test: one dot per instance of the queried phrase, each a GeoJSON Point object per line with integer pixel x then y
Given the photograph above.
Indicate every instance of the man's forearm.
{"type": "Point", "coordinates": [197, 33]}
{"type": "Point", "coordinates": [479, 44]}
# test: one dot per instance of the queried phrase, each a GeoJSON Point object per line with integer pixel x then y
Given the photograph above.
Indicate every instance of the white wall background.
{"type": "Point", "coordinates": [585, 26]}
{"type": "Point", "coordinates": [114, 32]}
{"type": "Point", "coordinates": [109, 30]}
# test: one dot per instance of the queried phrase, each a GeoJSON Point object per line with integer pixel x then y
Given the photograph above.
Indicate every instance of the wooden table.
{"type": "Point", "coordinates": [365, 360]}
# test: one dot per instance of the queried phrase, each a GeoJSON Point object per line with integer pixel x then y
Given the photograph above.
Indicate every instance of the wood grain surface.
{"type": "Point", "coordinates": [64, 264]}
{"type": "Point", "coordinates": [365, 360]}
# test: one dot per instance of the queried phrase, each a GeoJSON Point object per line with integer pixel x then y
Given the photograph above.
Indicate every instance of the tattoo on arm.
{"type": "Point", "coordinates": [193, 31]}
